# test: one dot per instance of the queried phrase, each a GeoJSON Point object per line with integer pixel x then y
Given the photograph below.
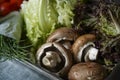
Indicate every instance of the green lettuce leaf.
{"type": "Point", "coordinates": [42, 17]}
{"type": "Point", "coordinates": [107, 27]}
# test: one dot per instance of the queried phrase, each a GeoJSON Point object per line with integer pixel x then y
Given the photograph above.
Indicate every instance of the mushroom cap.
{"type": "Point", "coordinates": [80, 42]}
{"type": "Point", "coordinates": [63, 33]}
{"type": "Point", "coordinates": [62, 68]}
{"type": "Point", "coordinates": [87, 71]}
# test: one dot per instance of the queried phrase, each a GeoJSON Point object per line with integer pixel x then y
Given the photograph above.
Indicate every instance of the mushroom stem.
{"type": "Point", "coordinates": [88, 52]}
{"type": "Point", "coordinates": [91, 54]}
{"type": "Point", "coordinates": [51, 59]}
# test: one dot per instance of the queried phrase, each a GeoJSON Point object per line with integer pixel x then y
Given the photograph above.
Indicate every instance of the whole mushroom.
{"type": "Point", "coordinates": [55, 58]}
{"type": "Point", "coordinates": [87, 71]}
{"type": "Point", "coordinates": [64, 35]}
{"type": "Point", "coordinates": [84, 48]}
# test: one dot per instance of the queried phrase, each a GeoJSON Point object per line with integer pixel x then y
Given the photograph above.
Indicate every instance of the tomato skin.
{"type": "Point", "coordinates": [7, 6]}
{"type": "Point", "coordinates": [18, 2]}
{"type": "Point", "coordinates": [4, 9]}
{"type": "Point", "coordinates": [2, 1]}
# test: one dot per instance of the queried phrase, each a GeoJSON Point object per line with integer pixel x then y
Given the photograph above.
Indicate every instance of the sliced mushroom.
{"type": "Point", "coordinates": [64, 36]}
{"type": "Point", "coordinates": [55, 58]}
{"type": "Point", "coordinates": [87, 71]}
{"type": "Point", "coordinates": [84, 48]}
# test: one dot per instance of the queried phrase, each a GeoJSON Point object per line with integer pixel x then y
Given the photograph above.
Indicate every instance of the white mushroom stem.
{"type": "Point", "coordinates": [92, 53]}
{"type": "Point", "coordinates": [51, 59]}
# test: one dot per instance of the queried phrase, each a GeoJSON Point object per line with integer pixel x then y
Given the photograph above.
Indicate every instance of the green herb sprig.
{"type": "Point", "coordinates": [10, 49]}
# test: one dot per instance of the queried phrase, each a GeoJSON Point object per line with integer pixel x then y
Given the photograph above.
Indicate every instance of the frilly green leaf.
{"type": "Point", "coordinates": [42, 17]}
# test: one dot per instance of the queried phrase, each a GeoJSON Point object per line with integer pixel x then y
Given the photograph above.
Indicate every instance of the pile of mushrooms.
{"type": "Point", "coordinates": [66, 53]}
{"type": "Point", "coordinates": [55, 54]}
{"type": "Point", "coordinates": [55, 58]}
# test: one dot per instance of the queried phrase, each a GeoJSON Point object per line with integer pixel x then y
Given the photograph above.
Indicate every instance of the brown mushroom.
{"type": "Point", "coordinates": [55, 58]}
{"type": "Point", "coordinates": [64, 36]}
{"type": "Point", "coordinates": [87, 71]}
{"type": "Point", "coordinates": [84, 48]}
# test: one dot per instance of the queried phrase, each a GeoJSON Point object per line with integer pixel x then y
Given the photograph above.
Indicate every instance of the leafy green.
{"type": "Point", "coordinates": [9, 49]}
{"type": "Point", "coordinates": [109, 22]}
{"type": "Point", "coordinates": [10, 37]}
{"type": "Point", "coordinates": [11, 25]}
{"type": "Point", "coordinates": [107, 27]}
{"type": "Point", "coordinates": [43, 16]}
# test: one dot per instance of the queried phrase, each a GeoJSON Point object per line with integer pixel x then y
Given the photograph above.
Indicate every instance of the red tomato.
{"type": "Point", "coordinates": [19, 2]}
{"type": "Point", "coordinates": [2, 1]}
{"type": "Point", "coordinates": [4, 8]}
{"type": "Point", "coordinates": [7, 6]}
{"type": "Point", "coordinates": [13, 1]}
{"type": "Point", "coordinates": [14, 7]}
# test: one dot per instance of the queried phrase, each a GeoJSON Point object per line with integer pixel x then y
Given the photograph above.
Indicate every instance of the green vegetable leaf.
{"type": "Point", "coordinates": [10, 38]}
{"type": "Point", "coordinates": [107, 27]}
{"type": "Point", "coordinates": [109, 23]}
{"type": "Point", "coordinates": [11, 25]}
{"type": "Point", "coordinates": [42, 17]}
{"type": "Point", "coordinates": [10, 49]}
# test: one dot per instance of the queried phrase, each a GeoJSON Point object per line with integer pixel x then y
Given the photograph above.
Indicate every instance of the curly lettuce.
{"type": "Point", "coordinates": [107, 27]}
{"type": "Point", "coordinates": [43, 16]}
